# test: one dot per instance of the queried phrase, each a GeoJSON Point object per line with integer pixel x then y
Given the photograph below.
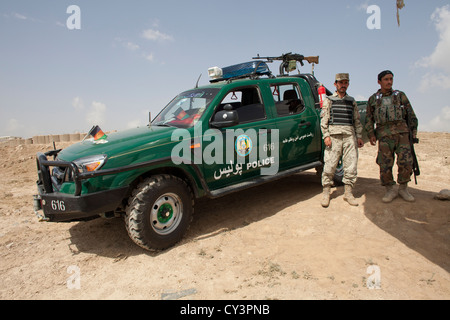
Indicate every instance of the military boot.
{"type": "Point", "coordinates": [390, 194]}
{"type": "Point", "coordinates": [348, 195]}
{"type": "Point", "coordinates": [325, 197]}
{"type": "Point", "coordinates": [403, 192]}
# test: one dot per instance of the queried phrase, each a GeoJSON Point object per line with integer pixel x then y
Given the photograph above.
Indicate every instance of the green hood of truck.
{"type": "Point", "coordinates": [118, 144]}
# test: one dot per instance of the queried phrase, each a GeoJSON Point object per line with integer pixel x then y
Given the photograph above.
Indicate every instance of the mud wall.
{"type": "Point", "coordinates": [46, 139]}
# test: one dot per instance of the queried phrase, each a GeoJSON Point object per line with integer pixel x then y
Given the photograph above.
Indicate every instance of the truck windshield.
{"type": "Point", "coordinates": [186, 109]}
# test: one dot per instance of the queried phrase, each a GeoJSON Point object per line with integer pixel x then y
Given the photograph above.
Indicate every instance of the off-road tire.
{"type": "Point", "coordinates": [159, 212]}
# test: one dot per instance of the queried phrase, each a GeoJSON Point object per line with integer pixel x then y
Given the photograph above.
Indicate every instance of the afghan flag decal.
{"type": "Point", "coordinates": [98, 135]}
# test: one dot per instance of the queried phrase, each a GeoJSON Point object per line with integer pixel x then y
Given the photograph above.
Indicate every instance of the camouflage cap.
{"type": "Point", "coordinates": [342, 76]}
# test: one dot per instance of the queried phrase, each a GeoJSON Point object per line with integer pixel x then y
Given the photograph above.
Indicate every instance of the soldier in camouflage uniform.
{"type": "Point", "coordinates": [388, 109]}
{"type": "Point", "coordinates": [342, 133]}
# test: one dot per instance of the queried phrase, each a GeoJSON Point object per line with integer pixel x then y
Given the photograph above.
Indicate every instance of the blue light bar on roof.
{"type": "Point", "coordinates": [240, 70]}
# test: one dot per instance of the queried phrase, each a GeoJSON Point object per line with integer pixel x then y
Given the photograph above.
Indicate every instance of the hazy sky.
{"type": "Point", "coordinates": [132, 57]}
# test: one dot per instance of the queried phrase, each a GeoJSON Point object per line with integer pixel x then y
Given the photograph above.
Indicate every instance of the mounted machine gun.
{"type": "Point", "coordinates": [289, 61]}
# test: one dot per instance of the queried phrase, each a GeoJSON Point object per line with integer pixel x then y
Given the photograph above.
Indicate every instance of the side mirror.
{"type": "Point", "coordinates": [225, 118]}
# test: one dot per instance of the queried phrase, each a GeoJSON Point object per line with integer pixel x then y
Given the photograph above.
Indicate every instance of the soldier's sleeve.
{"type": "Point", "coordinates": [370, 122]}
{"type": "Point", "coordinates": [325, 118]}
{"type": "Point", "coordinates": [409, 109]}
{"type": "Point", "coordinates": [357, 121]}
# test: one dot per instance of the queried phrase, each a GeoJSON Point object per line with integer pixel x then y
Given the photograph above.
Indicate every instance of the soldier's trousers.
{"type": "Point", "coordinates": [344, 146]}
{"type": "Point", "coordinates": [388, 147]}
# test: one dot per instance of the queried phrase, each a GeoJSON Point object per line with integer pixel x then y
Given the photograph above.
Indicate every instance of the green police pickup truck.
{"type": "Point", "coordinates": [245, 128]}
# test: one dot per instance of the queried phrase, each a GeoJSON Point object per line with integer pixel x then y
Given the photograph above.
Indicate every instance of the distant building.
{"type": "Point", "coordinates": [7, 138]}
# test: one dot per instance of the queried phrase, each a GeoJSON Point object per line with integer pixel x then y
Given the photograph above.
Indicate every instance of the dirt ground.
{"type": "Point", "coordinates": [274, 241]}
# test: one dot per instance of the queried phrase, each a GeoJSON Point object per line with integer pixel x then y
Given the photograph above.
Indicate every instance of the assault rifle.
{"type": "Point", "coordinates": [288, 58]}
{"type": "Point", "coordinates": [412, 141]}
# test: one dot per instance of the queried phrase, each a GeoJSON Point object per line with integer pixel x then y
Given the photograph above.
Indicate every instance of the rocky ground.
{"type": "Point", "coordinates": [274, 241]}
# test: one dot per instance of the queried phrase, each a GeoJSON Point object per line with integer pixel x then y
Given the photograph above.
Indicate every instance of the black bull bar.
{"type": "Point", "coordinates": [68, 207]}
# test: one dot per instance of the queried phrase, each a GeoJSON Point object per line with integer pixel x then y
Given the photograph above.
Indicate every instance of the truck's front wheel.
{"type": "Point", "coordinates": [159, 212]}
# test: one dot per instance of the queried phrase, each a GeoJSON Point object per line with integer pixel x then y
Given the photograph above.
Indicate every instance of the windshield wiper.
{"type": "Point", "coordinates": [161, 124]}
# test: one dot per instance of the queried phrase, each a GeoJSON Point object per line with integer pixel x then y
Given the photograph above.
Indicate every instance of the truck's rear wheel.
{"type": "Point", "coordinates": [159, 212]}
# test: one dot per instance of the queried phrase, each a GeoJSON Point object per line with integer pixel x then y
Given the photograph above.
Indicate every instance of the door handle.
{"type": "Point", "coordinates": [304, 124]}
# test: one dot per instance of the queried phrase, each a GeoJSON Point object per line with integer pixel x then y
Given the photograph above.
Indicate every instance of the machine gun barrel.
{"type": "Point", "coordinates": [289, 57]}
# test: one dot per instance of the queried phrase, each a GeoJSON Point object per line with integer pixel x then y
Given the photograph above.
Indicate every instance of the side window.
{"type": "Point", "coordinates": [288, 99]}
{"type": "Point", "coordinates": [247, 102]}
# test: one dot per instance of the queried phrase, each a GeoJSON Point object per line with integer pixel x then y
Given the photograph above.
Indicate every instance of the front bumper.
{"type": "Point", "coordinates": [60, 207]}
{"type": "Point", "coordinates": [50, 205]}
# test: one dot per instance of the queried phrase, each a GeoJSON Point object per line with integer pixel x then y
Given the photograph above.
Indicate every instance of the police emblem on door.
{"type": "Point", "coordinates": [243, 145]}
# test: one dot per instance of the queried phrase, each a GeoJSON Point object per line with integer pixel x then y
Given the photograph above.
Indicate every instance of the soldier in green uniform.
{"type": "Point", "coordinates": [388, 110]}
{"type": "Point", "coordinates": [342, 133]}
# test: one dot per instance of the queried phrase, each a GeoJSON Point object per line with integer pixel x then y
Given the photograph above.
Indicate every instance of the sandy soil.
{"type": "Point", "coordinates": [271, 242]}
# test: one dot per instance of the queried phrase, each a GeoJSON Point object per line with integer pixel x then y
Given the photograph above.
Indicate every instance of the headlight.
{"type": "Point", "coordinates": [91, 163]}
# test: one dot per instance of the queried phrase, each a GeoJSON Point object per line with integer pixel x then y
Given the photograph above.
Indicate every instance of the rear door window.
{"type": "Point", "coordinates": [288, 99]}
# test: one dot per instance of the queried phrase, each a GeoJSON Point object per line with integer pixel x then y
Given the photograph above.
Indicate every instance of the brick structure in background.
{"type": "Point", "coordinates": [44, 139]}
